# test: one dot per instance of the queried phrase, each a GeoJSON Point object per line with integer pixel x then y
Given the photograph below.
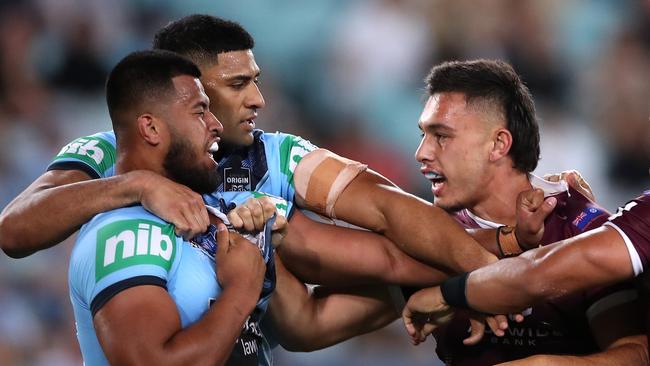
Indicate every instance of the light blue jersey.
{"type": "Point", "coordinates": [129, 247]}
{"type": "Point", "coordinates": [263, 169]}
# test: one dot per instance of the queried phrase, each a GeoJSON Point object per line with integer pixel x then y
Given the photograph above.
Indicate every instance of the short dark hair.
{"type": "Point", "coordinates": [495, 81]}
{"type": "Point", "coordinates": [142, 77]}
{"type": "Point", "coordinates": [203, 37]}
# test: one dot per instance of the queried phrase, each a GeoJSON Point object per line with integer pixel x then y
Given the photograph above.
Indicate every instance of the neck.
{"type": "Point", "coordinates": [500, 201]}
{"type": "Point", "coordinates": [136, 159]}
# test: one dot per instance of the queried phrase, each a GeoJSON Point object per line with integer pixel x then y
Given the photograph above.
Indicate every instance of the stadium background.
{"type": "Point", "coordinates": [345, 74]}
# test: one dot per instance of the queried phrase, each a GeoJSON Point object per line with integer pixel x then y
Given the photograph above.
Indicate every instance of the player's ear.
{"type": "Point", "coordinates": [502, 142]}
{"type": "Point", "coordinates": [150, 128]}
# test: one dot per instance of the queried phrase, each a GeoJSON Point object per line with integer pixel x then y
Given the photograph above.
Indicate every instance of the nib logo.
{"type": "Point", "coordinates": [128, 243]}
{"type": "Point", "coordinates": [85, 147]}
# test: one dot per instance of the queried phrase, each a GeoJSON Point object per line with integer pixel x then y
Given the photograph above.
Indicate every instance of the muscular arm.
{"type": "Point", "coordinates": [141, 326]}
{"type": "Point", "coordinates": [416, 226]}
{"type": "Point", "coordinates": [338, 256]}
{"type": "Point", "coordinates": [595, 258]}
{"type": "Point", "coordinates": [55, 206]}
{"type": "Point", "coordinates": [304, 321]}
{"type": "Point", "coordinates": [60, 201]}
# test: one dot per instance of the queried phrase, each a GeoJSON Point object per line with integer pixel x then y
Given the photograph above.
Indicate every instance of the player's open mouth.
{"type": "Point", "coordinates": [250, 119]}
{"type": "Point", "coordinates": [437, 181]}
{"type": "Point", "coordinates": [435, 177]}
{"type": "Point", "coordinates": [212, 149]}
{"type": "Point", "coordinates": [248, 124]}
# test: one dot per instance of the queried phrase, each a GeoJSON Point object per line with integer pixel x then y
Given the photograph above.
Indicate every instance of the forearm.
{"type": "Point", "coordinates": [46, 214]}
{"type": "Point", "coordinates": [423, 231]}
{"type": "Point", "coordinates": [595, 258]}
{"type": "Point", "coordinates": [335, 315]}
{"type": "Point", "coordinates": [487, 239]}
{"type": "Point", "coordinates": [330, 255]}
{"type": "Point", "coordinates": [433, 236]}
{"type": "Point", "coordinates": [210, 340]}
{"type": "Point", "coordinates": [345, 313]}
{"type": "Point", "coordinates": [306, 321]}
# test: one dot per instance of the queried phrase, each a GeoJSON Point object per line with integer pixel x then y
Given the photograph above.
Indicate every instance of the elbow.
{"type": "Point", "coordinates": [300, 344]}
{"type": "Point", "coordinates": [295, 347]}
{"type": "Point", "coordinates": [10, 240]}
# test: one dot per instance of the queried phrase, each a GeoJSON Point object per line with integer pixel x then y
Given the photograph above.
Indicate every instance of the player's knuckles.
{"type": "Point", "coordinates": [247, 220]}
{"type": "Point", "coordinates": [256, 211]}
{"type": "Point", "coordinates": [251, 201]}
{"type": "Point", "coordinates": [233, 216]}
{"type": "Point", "coordinates": [269, 209]}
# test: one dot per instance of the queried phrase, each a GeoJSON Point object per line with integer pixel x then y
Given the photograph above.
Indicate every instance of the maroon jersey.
{"type": "Point", "coordinates": [632, 221]}
{"type": "Point", "coordinates": [555, 327]}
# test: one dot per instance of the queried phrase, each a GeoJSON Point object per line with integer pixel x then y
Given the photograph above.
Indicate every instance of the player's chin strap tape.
{"type": "Point", "coordinates": [453, 291]}
{"type": "Point", "coordinates": [320, 178]}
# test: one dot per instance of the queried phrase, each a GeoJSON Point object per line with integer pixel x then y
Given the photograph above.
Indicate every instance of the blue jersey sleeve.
{"type": "Point", "coordinates": [121, 249]}
{"type": "Point", "coordinates": [284, 152]}
{"type": "Point", "coordinates": [94, 154]}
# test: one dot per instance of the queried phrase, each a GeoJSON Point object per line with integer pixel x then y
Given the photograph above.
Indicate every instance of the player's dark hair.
{"type": "Point", "coordinates": [202, 37]}
{"type": "Point", "coordinates": [495, 81]}
{"type": "Point", "coordinates": [141, 78]}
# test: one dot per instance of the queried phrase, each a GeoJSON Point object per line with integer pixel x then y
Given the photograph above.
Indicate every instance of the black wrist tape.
{"type": "Point", "coordinates": [453, 291]}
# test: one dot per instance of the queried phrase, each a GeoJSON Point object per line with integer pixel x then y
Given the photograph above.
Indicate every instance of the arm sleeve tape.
{"type": "Point", "coordinates": [320, 178]}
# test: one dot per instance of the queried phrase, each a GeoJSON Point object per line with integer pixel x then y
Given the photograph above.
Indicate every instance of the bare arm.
{"type": "Point", "coordinates": [141, 325]}
{"type": "Point", "coordinates": [305, 321]}
{"type": "Point", "coordinates": [338, 256]}
{"type": "Point", "coordinates": [595, 258]}
{"type": "Point", "coordinates": [416, 226]}
{"type": "Point", "coordinates": [60, 201]}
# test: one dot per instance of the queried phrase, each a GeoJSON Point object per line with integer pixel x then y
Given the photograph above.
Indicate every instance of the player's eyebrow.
{"type": "Point", "coordinates": [438, 127]}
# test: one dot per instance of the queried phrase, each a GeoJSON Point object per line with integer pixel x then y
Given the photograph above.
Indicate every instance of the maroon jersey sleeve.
{"type": "Point", "coordinates": [633, 222]}
{"type": "Point", "coordinates": [573, 215]}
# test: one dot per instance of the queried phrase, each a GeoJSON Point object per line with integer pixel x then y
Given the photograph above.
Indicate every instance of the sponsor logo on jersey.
{"type": "Point", "coordinates": [128, 243]}
{"type": "Point", "coordinates": [237, 179]}
{"type": "Point", "coordinates": [586, 216]}
{"type": "Point", "coordinates": [292, 150]}
{"type": "Point", "coordinates": [94, 151]}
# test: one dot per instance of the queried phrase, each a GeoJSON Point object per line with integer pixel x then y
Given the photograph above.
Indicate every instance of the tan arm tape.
{"type": "Point", "coordinates": [320, 178]}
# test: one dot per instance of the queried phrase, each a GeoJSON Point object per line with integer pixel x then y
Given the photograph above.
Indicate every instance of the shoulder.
{"type": "Point", "coordinates": [103, 140]}
{"type": "Point", "coordinates": [123, 238]}
{"type": "Point", "coordinates": [583, 213]}
{"type": "Point", "coordinates": [632, 222]}
{"type": "Point", "coordinates": [573, 214]}
{"type": "Point", "coordinates": [95, 154]}
{"type": "Point", "coordinates": [287, 142]}
{"type": "Point", "coordinates": [635, 214]}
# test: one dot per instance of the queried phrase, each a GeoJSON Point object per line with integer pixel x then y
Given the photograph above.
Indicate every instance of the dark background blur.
{"type": "Point", "coordinates": [345, 74]}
